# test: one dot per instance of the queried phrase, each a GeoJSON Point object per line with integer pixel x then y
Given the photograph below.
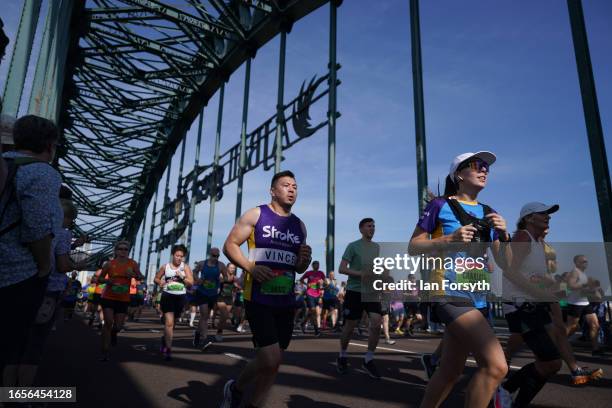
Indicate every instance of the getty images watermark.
{"type": "Point", "coordinates": [471, 272]}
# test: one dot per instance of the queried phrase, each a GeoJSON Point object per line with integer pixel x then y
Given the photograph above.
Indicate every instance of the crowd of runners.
{"type": "Point", "coordinates": [276, 289]}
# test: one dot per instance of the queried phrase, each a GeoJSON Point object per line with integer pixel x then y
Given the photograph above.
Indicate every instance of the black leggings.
{"type": "Point", "coordinates": [20, 303]}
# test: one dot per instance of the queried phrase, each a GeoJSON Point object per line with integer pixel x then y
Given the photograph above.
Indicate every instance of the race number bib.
{"type": "Point", "coordinates": [280, 285]}
{"type": "Point", "coordinates": [209, 284]}
{"type": "Point", "coordinates": [474, 276]}
{"type": "Point", "coordinates": [176, 286]}
{"type": "Point", "coordinates": [120, 289]}
{"type": "Point", "coordinates": [227, 290]}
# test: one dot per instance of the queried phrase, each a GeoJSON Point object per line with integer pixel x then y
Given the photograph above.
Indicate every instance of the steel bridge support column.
{"type": "Point", "coordinates": [331, 140]}
{"type": "Point", "coordinates": [419, 105]}
{"type": "Point", "coordinates": [144, 225]}
{"type": "Point", "coordinates": [280, 114]}
{"type": "Point", "coordinates": [21, 57]}
{"type": "Point", "coordinates": [597, 148]}
{"type": "Point", "coordinates": [163, 215]}
{"type": "Point", "coordinates": [243, 133]}
{"type": "Point", "coordinates": [151, 234]}
{"type": "Point", "coordinates": [192, 204]}
{"type": "Point", "coordinates": [178, 186]}
{"type": "Point", "coordinates": [213, 197]}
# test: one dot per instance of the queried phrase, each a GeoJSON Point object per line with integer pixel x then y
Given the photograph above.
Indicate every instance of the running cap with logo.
{"type": "Point", "coordinates": [535, 207]}
{"type": "Point", "coordinates": [483, 155]}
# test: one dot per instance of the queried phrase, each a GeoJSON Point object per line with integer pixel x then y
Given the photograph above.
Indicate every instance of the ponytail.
{"type": "Point", "coordinates": [450, 187]}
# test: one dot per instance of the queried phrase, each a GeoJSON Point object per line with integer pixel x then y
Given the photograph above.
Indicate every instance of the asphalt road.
{"type": "Point", "coordinates": [137, 376]}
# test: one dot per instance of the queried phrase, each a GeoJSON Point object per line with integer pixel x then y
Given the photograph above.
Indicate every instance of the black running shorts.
{"type": "Point", "coordinates": [531, 324]}
{"type": "Point", "coordinates": [117, 306]}
{"type": "Point", "coordinates": [354, 307]}
{"type": "Point", "coordinates": [270, 324]}
{"type": "Point", "coordinates": [172, 303]}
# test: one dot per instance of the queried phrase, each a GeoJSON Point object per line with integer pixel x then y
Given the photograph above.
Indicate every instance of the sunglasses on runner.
{"type": "Point", "coordinates": [123, 249]}
{"type": "Point", "coordinates": [476, 165]}
{"type": "Point", "coordinates": [214, 256]}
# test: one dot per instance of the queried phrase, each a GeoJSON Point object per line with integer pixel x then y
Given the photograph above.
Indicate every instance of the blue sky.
{"type": "Point", "coordinates": [498, 76]}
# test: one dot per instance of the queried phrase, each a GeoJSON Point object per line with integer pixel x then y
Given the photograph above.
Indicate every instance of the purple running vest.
{"type": "Point", "coordinates": [274, 242]}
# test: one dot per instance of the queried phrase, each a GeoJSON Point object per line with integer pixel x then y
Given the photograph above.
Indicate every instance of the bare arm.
{"type": "Point", "coordinates": [103, 274]}
{"type": "Point", "coordinates": [513, 274]}
{"type": "Point", "coordinates": [304, 255]}
{"type": "Point", "coordinates": [188, 276]}
{"type": "Point", "coordinates": [41, 251]}
{"type": "Point", "coordinates": [237, 236]}
{"type": "Point", "coordinates": [158, 276]}
{"type": "Point", "coordinates": [344, 269]}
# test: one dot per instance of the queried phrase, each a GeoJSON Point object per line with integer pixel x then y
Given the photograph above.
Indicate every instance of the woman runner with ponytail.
{"type": "Point", "coordinates": [446, 225]}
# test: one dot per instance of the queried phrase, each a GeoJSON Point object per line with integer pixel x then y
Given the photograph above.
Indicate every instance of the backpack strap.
{"type": "Point", "coordinates": [8, 194]}
{"type": "Point", "coordinates": [462, 216]}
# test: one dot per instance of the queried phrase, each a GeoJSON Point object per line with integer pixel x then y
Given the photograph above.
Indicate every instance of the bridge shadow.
{"type": "Point", "coordinates": [301, 401]}
{"type": "Point", "coordinates": [195, 394]}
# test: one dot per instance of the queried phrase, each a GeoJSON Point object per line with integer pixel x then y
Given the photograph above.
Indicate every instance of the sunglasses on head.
{"type": "Point", "coordinates": [476, 165]}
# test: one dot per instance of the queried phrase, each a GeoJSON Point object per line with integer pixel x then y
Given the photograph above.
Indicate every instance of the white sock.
{"type": "Point", "coordinates": [342, 353]}
{"type": "Point", "coordinates": [191, 317]}
{"type": "Point", "coordinates": [369, 356]}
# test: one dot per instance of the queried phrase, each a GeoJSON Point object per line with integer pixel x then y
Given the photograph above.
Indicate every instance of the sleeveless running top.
{"type": "Point", "coordinates": [119, 287]}
{"type": "Point", "coordinates": [274, 242]}
{"type": "Point", "coordinates": [175, 285]}
{"type": "Point", "coordinates": [227, 289]}
{"type": "Point", "coordinates": [331, 291]}
{"type": "Point", "coordinates": [534, 264]}
{"type": "Point", "coordinates": [210, 280]}
{"type": "Point", "coordinates": [575, 297]}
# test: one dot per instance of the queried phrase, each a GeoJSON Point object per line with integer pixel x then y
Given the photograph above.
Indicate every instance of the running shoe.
{"type": "Point", "coordinates": [240, 329]}
{"type": "Point", "coordinates": [390, 342]}
{"type": "Point", "coordinates": [167, 354]}
{"type": "Point", "coordinates": [399, 332]}
{"type": "Point", "coordinates": [196, 339]}
{"type": "Point", "coordinates": [162, 345]}
{"type": "Point", "coordinates": [317, 332]}
{"type": "Point", "coordinates": [303, 327]}
{"type": "Point", "coordinates": [585, 374]}
{"type": "Point", "coordinates": [428, 366]}
{"type": "Point", "coordinates": [218, 338]}
{"type": "Point", "coordinates": [370, 369]}
{"type": "Point", "coordinates": [342, 365]}
{"type": "Point", "coordinates": [503, 398]}
{"type": "Point", "coordinates": [231, 396]}
{"type": "Point", "coordinates": [359, 330]}
{"type": "Point", "coordinates": [207, 344]}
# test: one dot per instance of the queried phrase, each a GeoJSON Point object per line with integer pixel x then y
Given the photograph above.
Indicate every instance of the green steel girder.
{"type": "Point", "coordinates": [139, 72]}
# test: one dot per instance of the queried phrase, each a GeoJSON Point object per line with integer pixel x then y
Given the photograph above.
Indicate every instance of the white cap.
{"type": "Point", "coordinates": [484, 155]}
{"type": "Point", "coordinates": [535, 207]}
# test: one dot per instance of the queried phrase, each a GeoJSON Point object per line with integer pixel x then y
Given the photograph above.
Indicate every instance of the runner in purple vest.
{"type": "Point", "coordinates": [277, 251]}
